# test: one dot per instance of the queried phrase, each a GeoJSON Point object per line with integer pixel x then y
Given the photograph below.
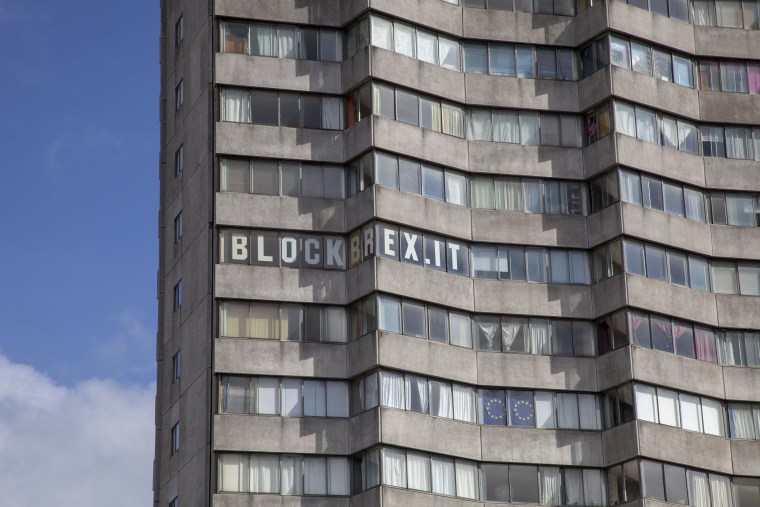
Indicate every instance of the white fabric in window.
{"type": "Point", "coordinates": [529, 128]}
{"type": "Point", "coordinates": [699, 492]}
{"type": "Point", "coordinates": [394, 467]}
{"type": "Point", "coordinates": [314, 398]}
{"type": "Point", "coordinates": [233, 471]}
{"type": "Point", "coordinates": [625, 120]}
{"type": "Point", "coordinates": [440, 399]}
{"type": "Point", "coordinates": [315, 476]}
{"type": "Point", "coordinates": [712, 417]}
{"type": "Point", "coordinates": [452, 119]}
{"type": "Point", "coordinates": [724, 277]}
{"type": "Point", "coordinates": [291, 398]}
{"type": "Point", "coordinates": [593, 487]}
{"type": "Point", "coordinates": [467, 479]}
{"type": "Point", "coordinates": [237, 106]}
{"type": "Point", "coordinates": [416, 391]}
{"type": "Point", "coordinates": [418, 470]}
{"type": "Point", "coordinates": [667, 402]}
{"type": "Point", "coordinates": [544, 409]}
{"type": "Point", "coordinates": [506, 127]}
{"type": "Point", "coordinates": [382, 30]}
{"type": "Point", "coordinates": [464, 403]}
{"type": "Point", "coordinates": [740, 420]}
{"type": "Point", "coordinates": [338, 476]}
{"type": "Point", "coordinates": [267, 394]}
{"type": "Point", "coordinates": [287, 41]}
{"type": "Point", "coordinates": [427, 47]}
{"type": "Point", "coordinates": [337, 399]}
{"type": "Point", "coordinates": [749, 280]}
{"type": "Point", "coordinates": [567, 411]}
{"type": "Point", "coordinates": [646, 403]}
{"type": "Point", "coordinates": [449, 53]}
{"type": "Point", "coordinates": [539, 337]}
{"type": "Point", "coordinates": [551, 486]}
{"type": "Point", "coordinates": [331, 113]}
{"type": "Point", "coordinates": [479, 127]}
{"type": "Point", "coordinates": [574, 486]}
{"type": "Point", "coordinates": [691, 413]}
{"type": "Point", "coordinates": [456, 188]}
{"type": "Point", "coordinates": [511, 330]}
{"type": "Point", "coordinates": [263, 473]}
{"type": "Point", "coordinates": [392, 389]}
{"type": "Point", "coordinates": [442, 475]}
{"type": "Point", "coordinates": [403, 37]}
{"type": "Point", "coordinates": [720, 487]}
{"type": "Point", "coordinates": [588, 411]}
{"type": "Point", "coordinates": [237, 393]}
{"type": "Point", "coordinates": [290, 475]}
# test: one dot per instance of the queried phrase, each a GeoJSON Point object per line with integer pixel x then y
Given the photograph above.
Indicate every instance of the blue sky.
{"type": "Point", "coordinates": [79, 141]}
{"type": "Point", "coordinates": [79, 132]}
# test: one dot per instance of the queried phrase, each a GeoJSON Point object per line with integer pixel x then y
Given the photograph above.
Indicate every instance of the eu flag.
{"type": "Point", "coordinates": [521, 409]}
{"type": "Point", "coordinates": [494, 408]}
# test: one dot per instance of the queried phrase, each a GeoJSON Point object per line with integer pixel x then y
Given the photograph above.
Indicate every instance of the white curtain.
{"type": "Point", "coordinates": [331, 113]}
{"type": "Point", "coordinates": [669, 132]}
{"type": "Point", "coordinates": [452, 120]}
{"type": "Point", "coordinates": [440, 399]}
{"type": "Point", "coordinates": [529, 129]}
{"type": "Point", "coordinates": [456, 188]}
{"type": "Point", "coordinates": [442, 475]}
{"type": "Point", "coordinates": [508, 194]}
{"type": "Point", "coordinates": [233, 472]}
{"type": "Point", "coordinates": [287, 41]}
{"type": "Point", "coordinates": [625, 121]}
{"type": "Point", "coordinates": [551, 486]}
{"type": "Point", "coordinates": [290, 475]}
{"type": "Point", "coordinates": [315, 476]}
{"type": "Point", "coordinates": [481, 190]}
{"type": "Point", "coordinates": [699, 492]}
{"type": "Point", "coordinates": [479, 127]}
{"type": "Point", "coordinates": [461, 332]}
{"type": "Point", "coordinates": [449, 53]}
{"type": "Point", "coordinates": [488, 330]}
{"type": "Point", "coordinates": [291, 398]}
{"type": "Point", "coordinates": [416, 391]}
{"type": "Point", "coordinates": [506, 127]}
{"type": "Point", "coordinates": [510, 331]}
{"type": "Point", "coordinates": [382, 33]}
{"type": "Point", "coordinates": [544, 409]}
{"type": "Point", "coordinates": [740, 419]}
{"type": "Point", "coordinates": [267, 394]}
{"type": "Point", "coordinates": [594, 487]}
{"type": "Point", "coordinates": [263, 40]}
{"type": "Point", "coordinates": [721, 491]}
{"type": "Point", "coordinates": [427, 47]}
{"type": "Point", "coordinates": [695, 204]}
{"type": "Point", "coordinates": [668, 407]}
{"type": "Point", "coordinates": [691, 417]}
{"type": "Point", "coordinates": [237, 392]}
{"type": "Point", "coordinates": [394, 467]}
{"type": "Point", "coordinates": [567, 411]}
{"type": "Point", "coordinates": [418, 468]}
{"type": "Point", "coordinates": [646, 125]}
{"type": "Point", "coordinates": [589, 412]}
{"type": "Point", "coordinates": [237, 106]}
{"type": "Point", "coordinates": [337, 399]}
{"type": "Point", "coordinates": [467, 479]}
{"type": "Point", "coordinates": [712, 417]}
{"type": "Point", "coordinates": [392, 389]}
{"type": "Point", "coordinates": [574, 486]}
{"type": "Point", "coordinates": [263, 473]}
{"type": "Point", "coordinates": [338, 476]}
{"type": "Point", "coordinates": [539, 337]}
{"type": "Point", "coordinates": [646, 403]}
{"type": "Point", "coordinates": [403, 37]}
{"type": "Point", "coordinates": [464, 403]}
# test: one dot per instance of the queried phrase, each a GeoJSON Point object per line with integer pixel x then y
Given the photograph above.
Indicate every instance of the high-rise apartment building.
{"type": "Point", "coordinates": [415, 253]}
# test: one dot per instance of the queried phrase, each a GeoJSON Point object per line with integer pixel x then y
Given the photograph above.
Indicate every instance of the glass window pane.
{"type": "Point", "coordinates": [501, 59]}
{"type": "Point", "coordinates": [523, 482]}
{"type": "Point", "coordinates": [652, 480]}
{"type": "Point", "coordinates": [475, 57]}
{"type": "Point", "coordinates": [404, 39]}
{"type": "Point", "coordinates": [409, 176]}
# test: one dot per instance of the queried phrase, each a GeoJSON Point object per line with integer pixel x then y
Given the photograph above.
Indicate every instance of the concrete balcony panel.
{"type": "Point", "coordinates": [600, 156]}
{"type": "Point", "coordinates": [744, 454]}
{"type": "Point", "coordinates": [420, 212]}
{"type": "Point", "coordinates": [650, 91]}
{"type": "Point", "coordinates": [614, 368]}
{"type": "Point", "coordinates": [738, 312]}
{"type": "Point", "coordinates": [360, 280]}
{"type": "Point", "coordinates": [664, 228]}
{"type": "Point", "coordinates": [398, 496]}
{"type": "Point", "coordinates": [319, 12]}
{"type": "Point", "coordinates": [279, 142]}
{"type": "Point", "coordinates": [274, 212]}
{"type": "Point", "coordinates": [536, 372]}
{"type": "Point", "coordinates": [502, 91]}
{"type": "Point", "coordinates": [359, 209]}
{"type": "Point", "coordinates": [427, 358]}
{"type": "Point", "coordinates": [431, 434]}
{"type": "Point", "coordinates": [670, 299]}
{"type": "Point", "coordinates": [529, 445]}
{"type": "Point", "coordinates": [533, 161]}
{"type": "Point", "coordinates": [643, 24]}
{"type": "Point", "coordinates": [266, 72]}
{"type": "Point", "coordinates": [595, 88]}
{"type": "Point", "coordinates": [604, 225]}
{"type": "Point", "coordinates": [248, 356]}
{"type": "Point", "coordinates": [726, 42]}
{"type": "Point", "coordinates": [688, 448]}
{"type": "Point", "coordinates": [233, 281]}
{"type": "Point", "coordinates": [444, 17]}
{"type": "Point", "coordinates": [355, 70]}
{"type": "Point", "coordinates": [742, 384]}
{"type": "Point", "coordinates": [416, 142]}
{"type": "Point", "coordinates": [250, 500]}
{"type": "Point", "coordinates": [722, 107]}
{"type": "Point", "coordinates": [357, 139]}
{"type": "Point", "coordinates": [736, 242]}
{"type": "Point", "coordinates": [589, 22]}
{"type": "Point", "coordinates": [620, 443]}
{"type": "Point", "coordinates": [266, 433]}
{"type": "Point", "coordinates": [497, 226]}
{"type": "Point", "coordinates": [418, 75]}
{"type": "Point", "coordinates": [363, 430]}
{"type": "Point", "coordinates": [728, 174]}
{"type": "Point", "coordinates": [525, 298]}
{"type": "Point", "coordinates": [370, 498]}
{"type": "Point", "coordinates": [609, 295]}
{"type": "Point", "coordinates": [495, 25]}
{"type": "Point", "coordinates": [417, 282]}
{"type": "Point", "coordinates": [662, 161]}
{"type": "Point", "coordinates": [681, 373]}
{"type": "Point", "coordinates": [362, 354]}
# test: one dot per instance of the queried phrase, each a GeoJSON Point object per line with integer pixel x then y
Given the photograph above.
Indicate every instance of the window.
{"type": "Point", "coordinates": [174, 444]}
{"type": "Point", "coordinates": [178, 227]}
{"type": "Point", "coordinates": [179, 31]}
{"type": "Point", "coordinates": [178, 295]}
{"type": "Point", "coordinates": [174, 502]}
{"type": "Point", "coordinates": [179, 95]}
{"type": "Point", "coordinates": [176, 366]}
{"type": "Point", "coordinates": [179, 160]}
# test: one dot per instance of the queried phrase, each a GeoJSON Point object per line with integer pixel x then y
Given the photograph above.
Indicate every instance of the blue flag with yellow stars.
{"type": "Point", "coordinates": [521, 409]}
{"type": "Point", "coordinates": [494, 408]}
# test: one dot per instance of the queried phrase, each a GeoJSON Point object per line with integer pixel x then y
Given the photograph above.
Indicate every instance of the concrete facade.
{"type": "Point", "coordinates": [190, 395]}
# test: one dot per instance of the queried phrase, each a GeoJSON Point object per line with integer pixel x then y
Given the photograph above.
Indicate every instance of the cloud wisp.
{"type": "Point", "coordinates": [74, 446]}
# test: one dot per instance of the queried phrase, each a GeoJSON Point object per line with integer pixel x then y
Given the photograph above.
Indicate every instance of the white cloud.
{"type": "Point", "coordinates": [87, 445]}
